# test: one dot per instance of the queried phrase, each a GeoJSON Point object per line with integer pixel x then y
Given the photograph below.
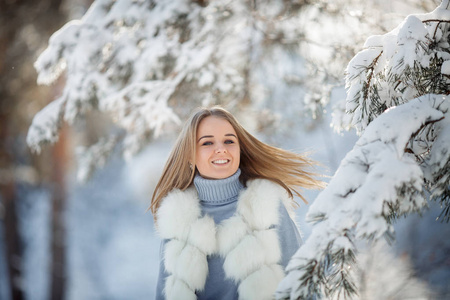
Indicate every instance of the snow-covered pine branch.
{"type": "Point", "coordinates": [410, 61]}
{"type": "Point", "coordinates": [129, 58]}
{"type": "Point", "coordinates": [146, 64]}
{"type": "Point", "coordinates": [397, 99]}
{"type": "Point", "coordinates": [376, 182]}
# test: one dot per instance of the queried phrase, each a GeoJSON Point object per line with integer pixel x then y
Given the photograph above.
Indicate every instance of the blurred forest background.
{"type": "Point", "coordinates": [66, 238]}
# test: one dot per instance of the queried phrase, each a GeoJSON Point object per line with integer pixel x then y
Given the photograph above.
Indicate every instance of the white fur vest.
{"type": "Point", "coordinates": [247, 241]}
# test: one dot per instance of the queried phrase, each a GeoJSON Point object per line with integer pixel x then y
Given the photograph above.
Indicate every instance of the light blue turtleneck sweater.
{"type": "Point", "coordinates": [218, 199]}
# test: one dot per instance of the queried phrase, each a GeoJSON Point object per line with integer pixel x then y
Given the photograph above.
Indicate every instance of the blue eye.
{"type": "Point", "coordinates": [229, 142]}
{"type": "Point", "coordinates": [207, 144]}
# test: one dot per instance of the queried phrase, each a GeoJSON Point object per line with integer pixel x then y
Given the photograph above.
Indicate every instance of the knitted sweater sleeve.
{"type": "Point", "coordinates": [289, 236]}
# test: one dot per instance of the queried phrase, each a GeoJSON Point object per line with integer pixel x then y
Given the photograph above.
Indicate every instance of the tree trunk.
{"type": "Point", "coordinates": [58, 244]}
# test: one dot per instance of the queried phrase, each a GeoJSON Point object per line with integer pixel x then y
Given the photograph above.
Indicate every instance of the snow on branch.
{"type": "Point", "coordinates": [141, 108]}
{"type": "Point", "coordinates": [406, 63]}
{"type": "Point", "coordinates": [46, 125]}
{"type": "Point", "coordinates": [93, 157]}
{"type": "Point", "coordinates": [410, 61]}
{"type": "Point", "coordinates": [437, 166]}
{"type": "Point", "coordinates": [128, 59]}
{"type": "Point", "coordinates": [375, 183]}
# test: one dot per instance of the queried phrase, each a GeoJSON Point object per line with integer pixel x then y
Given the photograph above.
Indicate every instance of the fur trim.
{"type": "Point", "coordinates": [202, 235]}
{"type": "Point", "coordinates": [192, 267]}
{"type": "Point", "coordinates": [229, 233]}
{"type": "Point", "coordinates": [191, 239]}
{"type": "Point", "coordinates": [248, 241]}
{"type": "Point", "coordinates": [251, 256]}
{"type": "Point", "coordinates": [177, 289]}
{"type": "Point", "coordinates": [172, 251]}
{"type": "Point", "coordinates": [175, 216]}
{"type": "Point", "coordinates": [244, 259]}
{"type": "Point", "coordinates": [259, 205]}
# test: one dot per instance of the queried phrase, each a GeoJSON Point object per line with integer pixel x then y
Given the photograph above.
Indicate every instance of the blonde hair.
{"type": "Point", "coordinates": [258, 160]}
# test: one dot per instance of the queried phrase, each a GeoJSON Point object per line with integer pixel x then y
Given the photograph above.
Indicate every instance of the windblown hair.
{"type": "Point", "coordinates": [258, 160]}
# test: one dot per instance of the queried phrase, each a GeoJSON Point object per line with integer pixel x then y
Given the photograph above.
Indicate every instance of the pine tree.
{"type": "Point", "coordinates": [397, 99]}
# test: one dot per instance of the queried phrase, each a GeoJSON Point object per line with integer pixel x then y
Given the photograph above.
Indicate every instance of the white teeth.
{"type": "Point", "coordinates": [220, 161]}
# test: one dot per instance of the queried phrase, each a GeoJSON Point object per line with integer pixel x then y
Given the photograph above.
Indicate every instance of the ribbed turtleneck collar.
{"type": "Point", "coordinates": [218, 191]}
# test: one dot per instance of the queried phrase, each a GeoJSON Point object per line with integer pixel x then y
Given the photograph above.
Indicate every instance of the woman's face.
{"type": "Point", "coordinates": [218, 153]}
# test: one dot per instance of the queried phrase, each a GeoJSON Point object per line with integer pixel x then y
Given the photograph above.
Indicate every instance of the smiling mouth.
{"type": "Point", "coordinates": [220, 161]}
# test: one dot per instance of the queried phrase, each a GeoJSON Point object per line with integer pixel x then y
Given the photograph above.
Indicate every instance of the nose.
{"type": "Point", "coordinates": [221, 149]}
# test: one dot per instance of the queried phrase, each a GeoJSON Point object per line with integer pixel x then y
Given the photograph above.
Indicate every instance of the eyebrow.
{"type": "Point", "coordinates": [211, 136]}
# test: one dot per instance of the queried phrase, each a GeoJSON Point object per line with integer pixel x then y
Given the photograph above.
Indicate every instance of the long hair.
{"type": "Point", "coordinates": [258, 160]}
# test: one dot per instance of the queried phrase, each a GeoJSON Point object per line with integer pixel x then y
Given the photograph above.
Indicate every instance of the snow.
{"type": "Point", "coordinates": [441, 12]}
{"type": "Point", "coordinates": [148, 111]}
{"type": "Point", "coordinates": [413, 29]}
{"type": "Point", "coordinates": [46, 125]}
{"type": "Point", "coordinates": [50, 64]}
{"type": "Point", "coordinates": [445, 69]}
{"type": "Point", "coordinates": [378, 75]}
{"type": "Point", "coordinates": [92, 157]}
{"type": "Point", "coordinates": [410, 35]}
{"type": "Point", "coordinates": [395, 126]}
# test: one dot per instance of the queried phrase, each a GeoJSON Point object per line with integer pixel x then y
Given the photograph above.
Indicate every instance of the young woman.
{"type": "Point", "coordinates": [223, 207]}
